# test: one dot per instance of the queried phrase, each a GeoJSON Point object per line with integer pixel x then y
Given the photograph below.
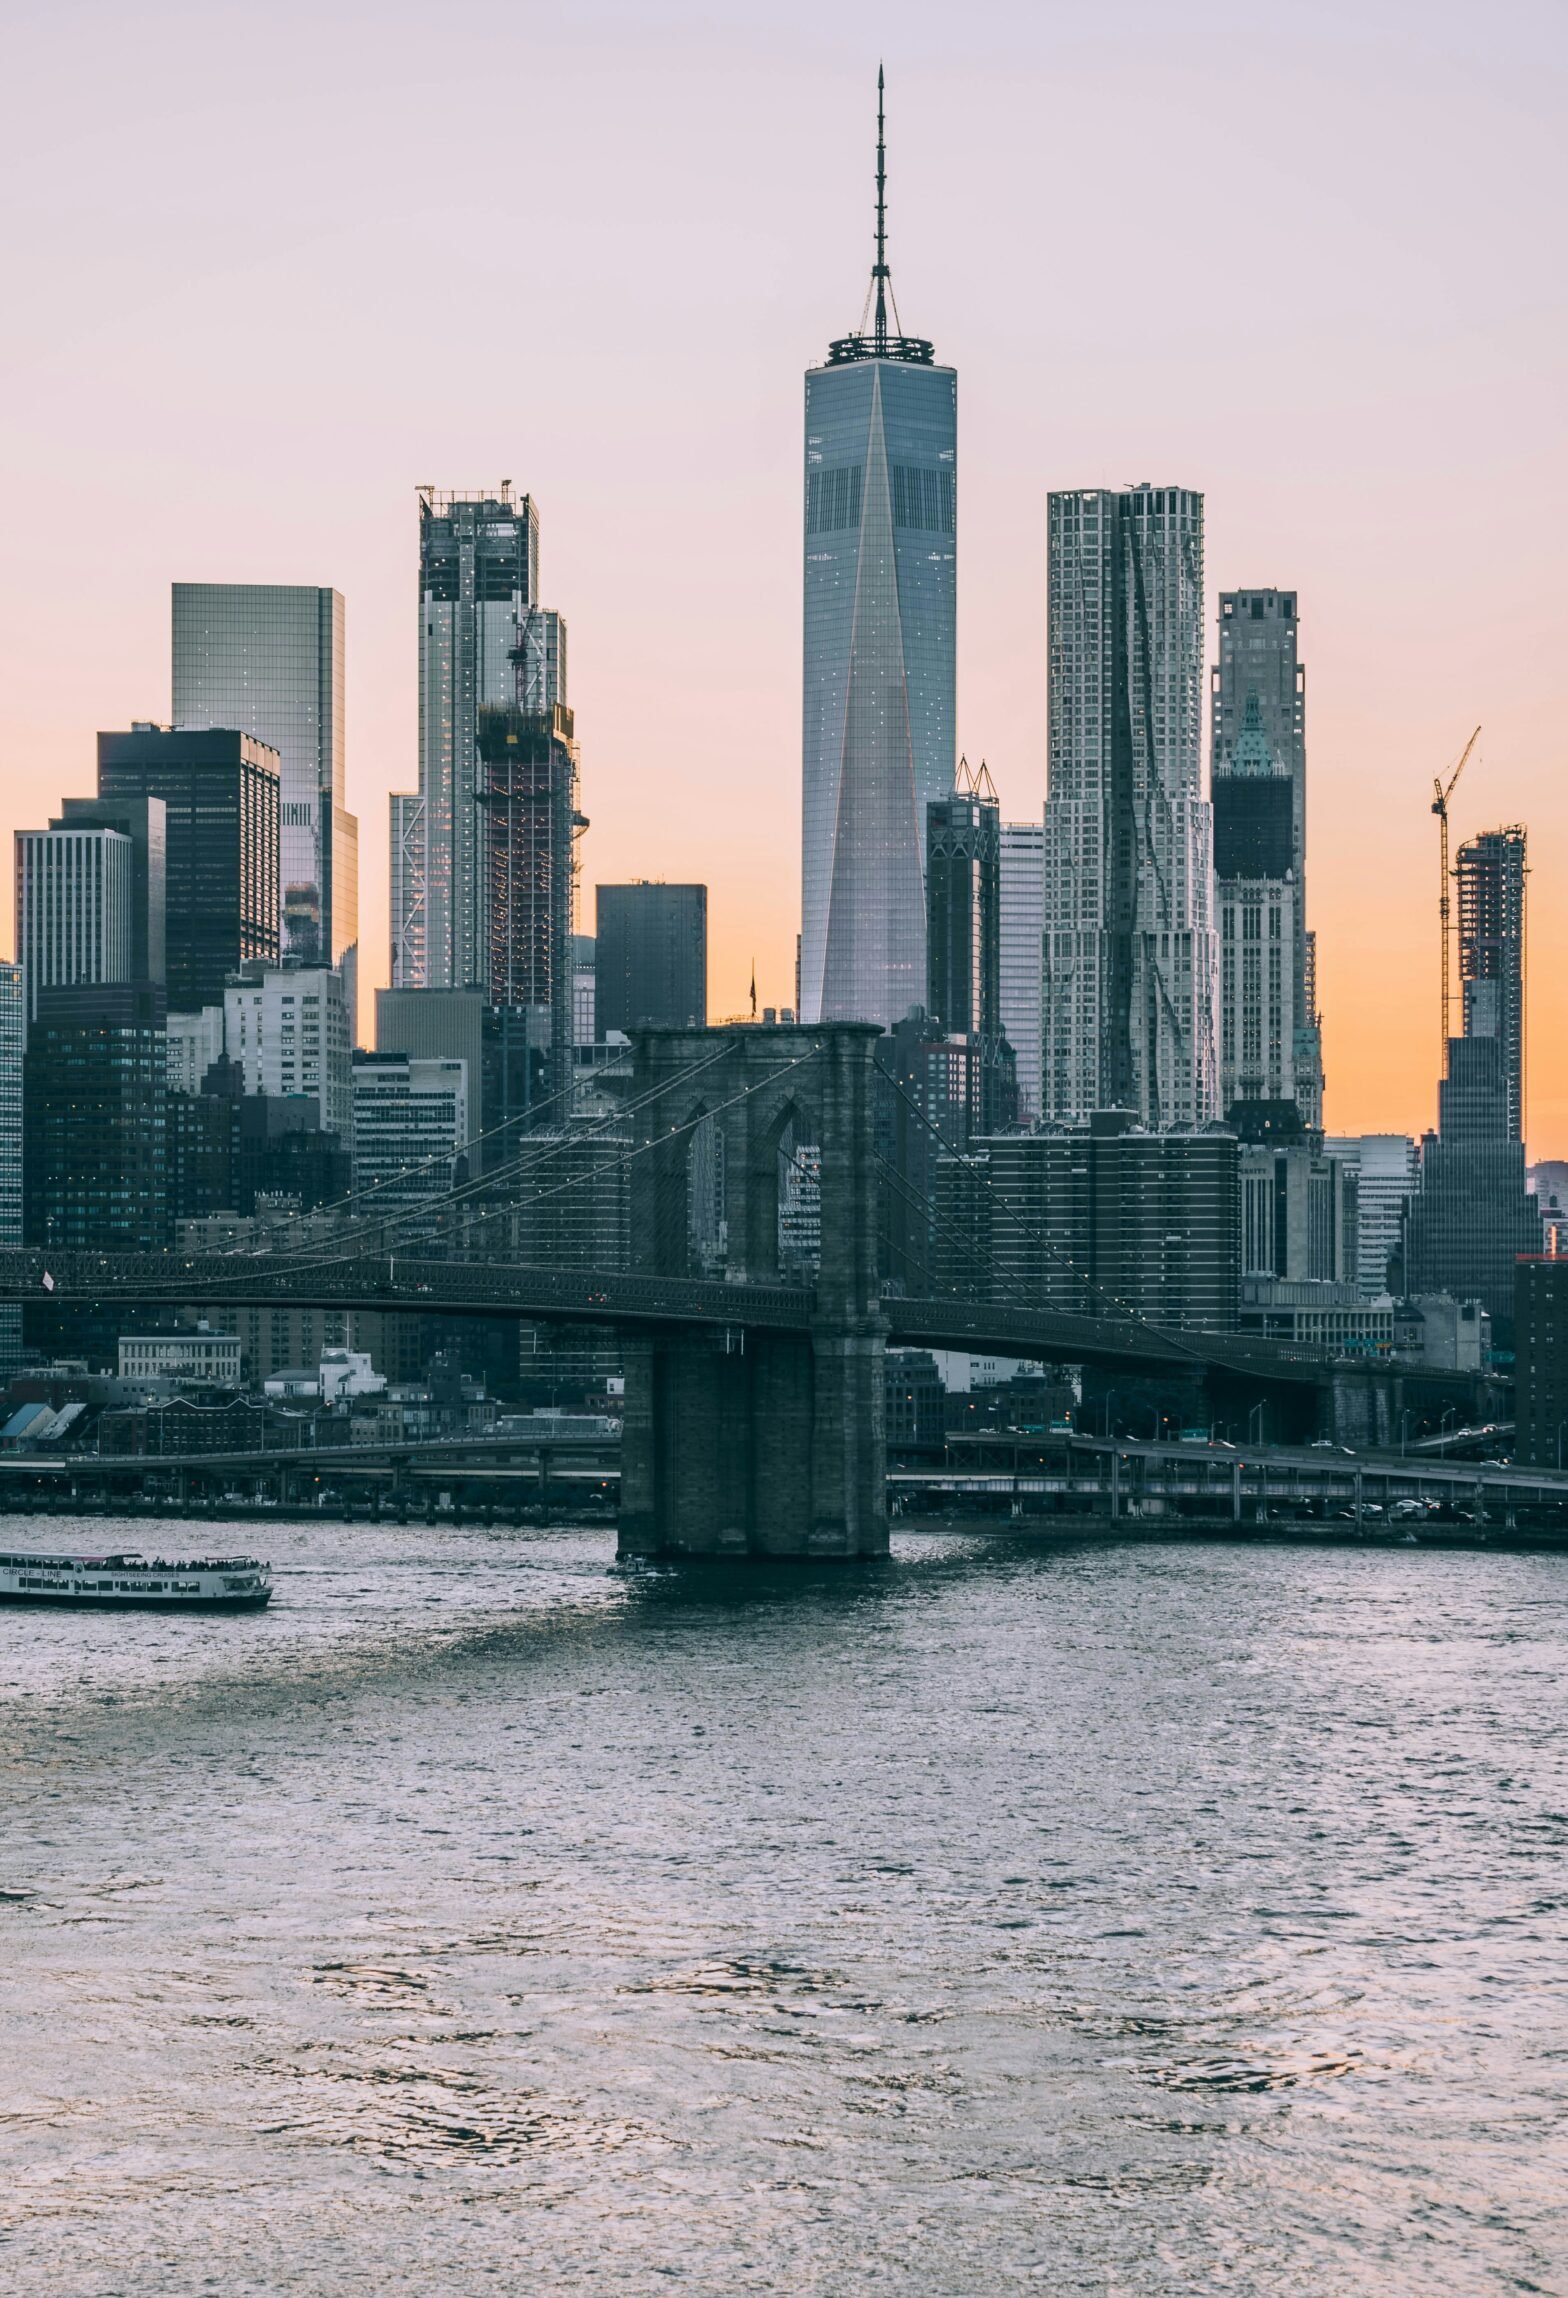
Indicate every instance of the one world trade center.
{"type": "Point", "coordinates": [880, 588]}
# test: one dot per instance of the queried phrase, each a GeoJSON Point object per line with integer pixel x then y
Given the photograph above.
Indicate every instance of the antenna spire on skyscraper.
{"type": "Point", "coordinates": [880, 273]}
{"type": "Point", "coordinates": [880, 340]}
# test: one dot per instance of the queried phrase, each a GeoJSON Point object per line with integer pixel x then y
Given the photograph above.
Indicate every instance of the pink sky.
{"type": "Point", "coordinates": [268, 268]}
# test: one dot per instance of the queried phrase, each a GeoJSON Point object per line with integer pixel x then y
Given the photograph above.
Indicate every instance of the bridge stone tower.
{"type": "Point", "coordinates": [739, 1442]}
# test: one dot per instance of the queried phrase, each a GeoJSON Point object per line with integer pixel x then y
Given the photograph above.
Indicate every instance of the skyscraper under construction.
{"type": "Point", "coordinates": [1491, 881]}
{"type": "Point", "coordinates": [1472, 1219]}
{"type": "Point", "coordinates": [483, 852]}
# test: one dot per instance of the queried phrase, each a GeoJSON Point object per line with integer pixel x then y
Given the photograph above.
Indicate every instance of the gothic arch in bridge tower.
{"type": "Point", "coordinates": [739, 1441]}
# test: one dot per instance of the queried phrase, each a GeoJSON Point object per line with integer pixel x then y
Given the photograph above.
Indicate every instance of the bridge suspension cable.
{"type": "Point", "coordinates": [535, 1152]}
{"type": "Point", "coordinates": [1174, 1337]}
{"type": "Point", "coordinates": [440, 1157]}
{"type": "Point", "coordinates": [339, 1251]}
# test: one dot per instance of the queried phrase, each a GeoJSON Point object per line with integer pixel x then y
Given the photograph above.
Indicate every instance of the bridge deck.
{"type": "Point", "coordinates": [630, 1302]}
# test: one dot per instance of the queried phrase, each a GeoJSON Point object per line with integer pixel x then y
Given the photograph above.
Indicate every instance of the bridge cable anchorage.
{"type": "Point", "coordinates": [1175, 1338]}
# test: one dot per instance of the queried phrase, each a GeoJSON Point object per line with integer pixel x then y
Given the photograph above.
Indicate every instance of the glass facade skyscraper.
{"type": "Point", "coordinates": [1472, 1218]}
{"type": "Point", "coordinates": [880, 665]}
{"type": "Point", "coordinates": [650, 957]}
{"type": "Point", "coordinates": [267, 658]}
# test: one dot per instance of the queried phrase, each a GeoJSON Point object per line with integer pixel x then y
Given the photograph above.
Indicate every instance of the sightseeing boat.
{"type": "Point", "coordinates": [135, 1583]}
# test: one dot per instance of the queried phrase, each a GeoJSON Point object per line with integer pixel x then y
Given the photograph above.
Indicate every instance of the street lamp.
{"type": "Point", "coordinates": [1255, 1435]}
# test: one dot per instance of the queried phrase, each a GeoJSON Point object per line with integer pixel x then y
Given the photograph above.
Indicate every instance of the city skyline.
{"type": "Point", "coordinates": [1424, 600]}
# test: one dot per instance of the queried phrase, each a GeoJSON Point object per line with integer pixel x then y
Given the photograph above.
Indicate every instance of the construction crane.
{"type": "Point", "coordinates": [1444, 791]}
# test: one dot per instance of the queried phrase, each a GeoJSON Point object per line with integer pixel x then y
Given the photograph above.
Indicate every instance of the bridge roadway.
{"type": "Point", "coordinates": [1057, 1478]}
{"type": "Point", "coordinates": [590, 1456]}
{"type": "Point", "coordinates": [631, 1303]}
{"type": "Point", "coordinates": [994, 1464]}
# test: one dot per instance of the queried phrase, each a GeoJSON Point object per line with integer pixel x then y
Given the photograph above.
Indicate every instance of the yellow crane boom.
{"type": "Point", "coordinates": [1443, 792]}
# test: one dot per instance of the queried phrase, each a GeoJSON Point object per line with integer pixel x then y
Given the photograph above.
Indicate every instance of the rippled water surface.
{"type": "Point", "coordinates": [1110, 1919]}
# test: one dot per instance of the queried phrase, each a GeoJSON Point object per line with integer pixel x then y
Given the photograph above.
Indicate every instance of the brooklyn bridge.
{"type": "Point", "coordinates": [754, 1407]}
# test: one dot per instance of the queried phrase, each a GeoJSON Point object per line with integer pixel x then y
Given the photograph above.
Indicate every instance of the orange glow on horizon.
{"type": "Point", "coordinates": [1362, 372]}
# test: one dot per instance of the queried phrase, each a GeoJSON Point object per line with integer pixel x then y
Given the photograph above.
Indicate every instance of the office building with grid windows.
{"type": "Point", "coordinates": [75, 906]}
{"type": "Point", "coordinates": [1385, 1166]}
{"type": "Point", "coordinates": [1259, 790]}
{"type": "Point", "coordinates": [1258, 899]}
{"type": "Point", "coordinates": [219, 788]}
{"type": "Point", "coordinates": [286, 1029]}
{"type": "Point", "coordinates": [93, 1146]}
{"type": "Point", "coordinates": [1020, 899]}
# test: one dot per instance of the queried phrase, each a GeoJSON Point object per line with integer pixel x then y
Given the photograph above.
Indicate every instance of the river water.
{"type": "Point", "coordinates": [1114, 1919]}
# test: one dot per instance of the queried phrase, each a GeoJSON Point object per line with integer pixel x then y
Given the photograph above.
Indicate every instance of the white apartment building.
{"type": "Point", "coordinates": [410, 1128]}
{"type": "Point", "coordinates": [289, 1030]}
{"type": "Point", "coordinates": [75, 907]}
{"type": "Point", "coordinates": [208, 1357]}
{"type": "Point", "coordinates": [193, 1041]}
{"type": "Point", "coordinates": [1386, 1165]}
{"type": "Point", "coordinates": [1258, 1011]}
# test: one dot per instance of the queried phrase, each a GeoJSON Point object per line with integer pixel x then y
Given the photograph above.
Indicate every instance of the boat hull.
{"type": "Point", "coordinates": [66, 1600]}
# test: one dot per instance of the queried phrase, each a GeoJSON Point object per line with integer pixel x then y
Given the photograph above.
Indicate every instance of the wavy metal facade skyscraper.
{"type": "Point", "coordinates": [880, 655]}
{"type": "Point", "coordinates": [1130, 950]}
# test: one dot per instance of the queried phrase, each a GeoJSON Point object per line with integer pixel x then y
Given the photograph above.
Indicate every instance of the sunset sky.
{"type": "Point", "coordinates": [267, 268]}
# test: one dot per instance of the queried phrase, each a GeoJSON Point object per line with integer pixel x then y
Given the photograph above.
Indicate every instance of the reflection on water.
{"type": "Point", "coordinates": [1010, 1917]}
